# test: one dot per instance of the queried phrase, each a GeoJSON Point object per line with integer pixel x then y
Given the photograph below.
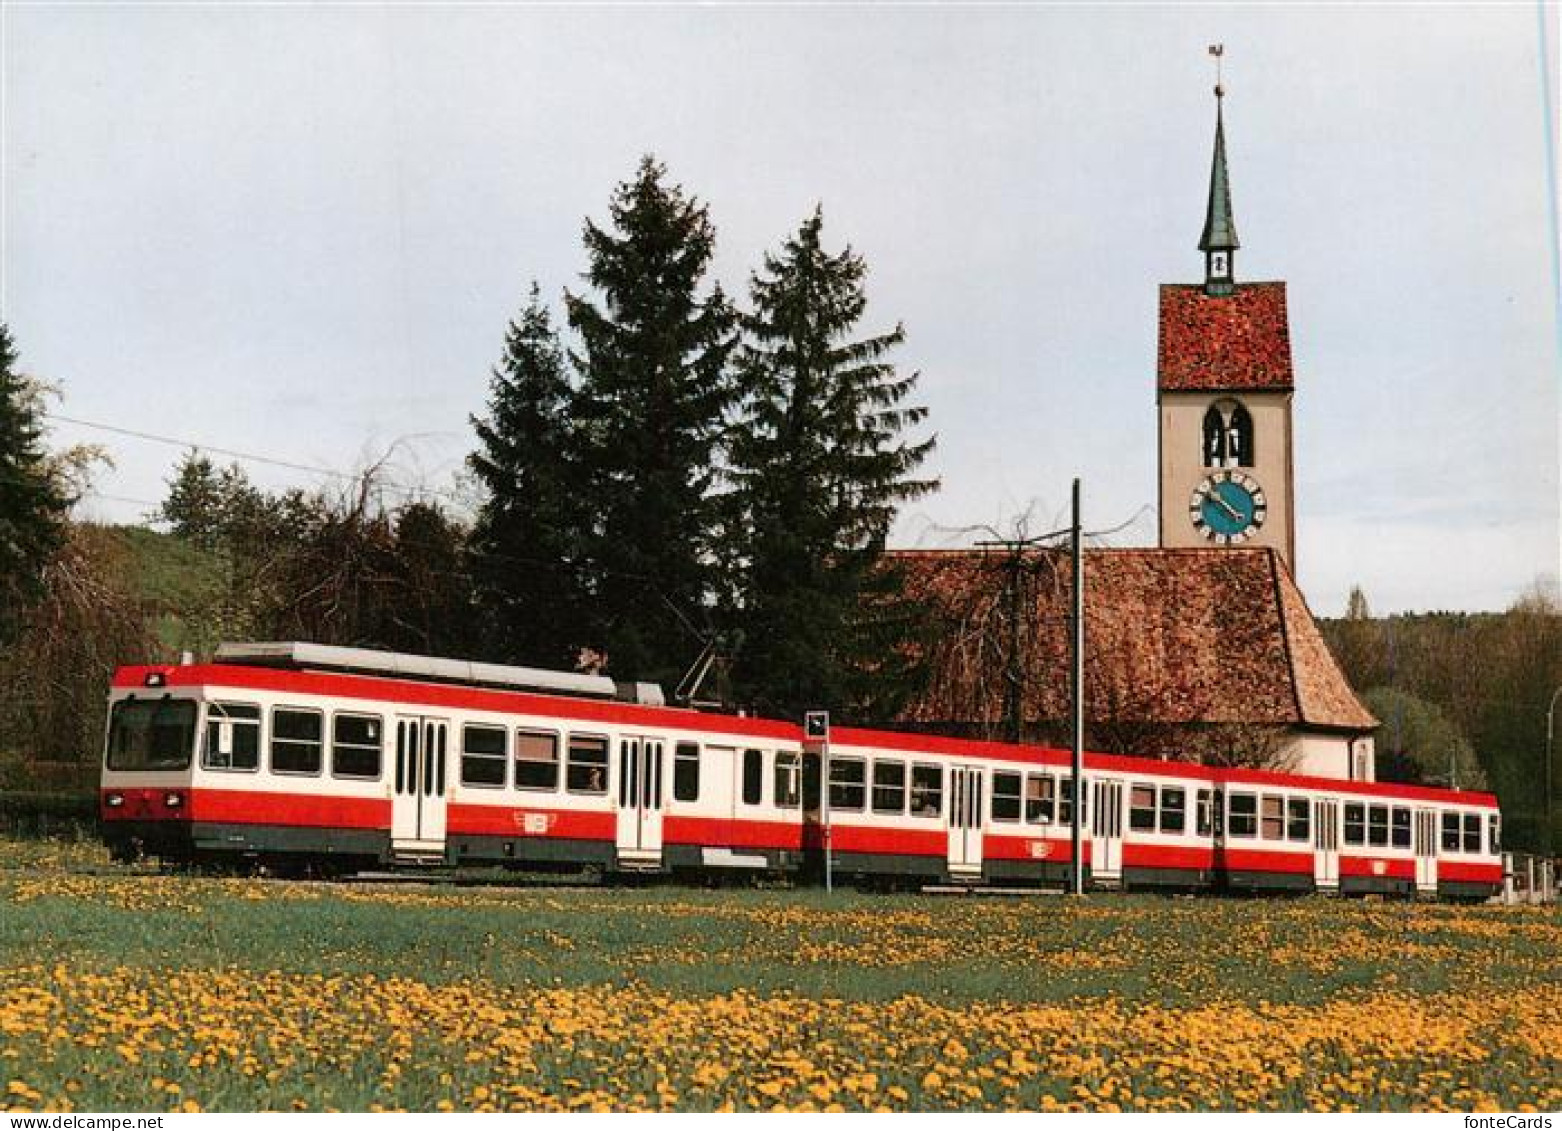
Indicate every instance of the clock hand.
{"type": "Point", "coordinates": [1227, 507]}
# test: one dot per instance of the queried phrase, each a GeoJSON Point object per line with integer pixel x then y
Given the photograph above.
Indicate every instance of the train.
{"type": "Point", "coordinates": [307, 758]}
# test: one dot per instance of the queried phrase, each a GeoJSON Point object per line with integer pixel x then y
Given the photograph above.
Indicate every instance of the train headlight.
{"type": "Point", "coordinates": [173, 800]}
{"type": "Point", "coordinates": [155, 679]}
{"type": "Point", "coordinates": [114, 800]}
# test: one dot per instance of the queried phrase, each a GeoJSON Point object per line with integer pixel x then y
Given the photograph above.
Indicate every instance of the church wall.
{"type": "Point", "coordinates": [1331, 755]}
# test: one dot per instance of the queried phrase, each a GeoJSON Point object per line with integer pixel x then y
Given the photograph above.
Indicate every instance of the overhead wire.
{"type": "Point", "coordinates": [408, 491]}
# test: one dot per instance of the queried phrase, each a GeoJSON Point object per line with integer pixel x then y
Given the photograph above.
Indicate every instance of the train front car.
{"type": "Point", "coordinates": [217, 764]}
{"type": "Point", "coordinates": [144, 803]}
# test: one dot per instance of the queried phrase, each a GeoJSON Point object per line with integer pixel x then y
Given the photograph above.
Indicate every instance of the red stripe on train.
{"type": "Point", "coordinates": [1258, 860]}
{"type": "Point", "coordinates": [248, 807]}
{"type": "Point", "coordinates": [1469, 872]}
{"type": "Point", "coordinates": [1377, 866]}
{"type": "Point", "coordinates": [503, 820]}
{"type": "Point", "coordinates": [1191, 857]}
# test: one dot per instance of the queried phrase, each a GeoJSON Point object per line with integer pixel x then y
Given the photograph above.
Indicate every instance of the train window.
{"type": "Point", "coordinates": [1141, 808]}
{"type": "Point", "coordinates": [1494, 834]}
{"type": "Point", "coordinates": [1297, 824]}
{"type": "Point", "coordinates": [1377, 826]}
{"type": "Point", "coordinates": [927, 791]}
{"type": "Point", "coordinates": [889, 786]}
{"type": "Point", "coordinates": [1204, 823]}
{"type": "Point", "coordinates": [483, 755]}
{"type": "Point", "coordinates": [788, 779]}
{"type": "Point", "coordinates": [536, 760]}
{"type": "Point", "coordinates": [587, 771]}
{"type": "Point", "coordinates": [1006, 796]}
{"type": "Point", "coordinates": [686, 771]}
{"type": "Point", "coordinates": [1355, 823]}
{"type": "Point", "coordinates": [295, 741]}
{"type": "Point", "coordinates": [1274, 818]}
{"type": "Point", "coordinates": [1244, 814]}
{"type": "Point", "coordinates": [848, 783]}
{"type": "Point", "coordinates": [753, 777]}
{"type": "Point", "coordinates": [1450, 832]}
{"type": "Point", "coordinates": [1066, 801]}
{"type": "Point", "coordinates": [356, 743]}
{"type": "Point", "coordinates": [147, 734]}
{"type": "Point", "coordinates": [232, 739]}
{"type": "Point", "coordinates": [1040, 798]}
{"type": "Point", "coordinates": [1399, 828]}
{"type": "Point", "coordinates": [1174, 809]}
{"type": "Point", "coordinates": [1472, 832]}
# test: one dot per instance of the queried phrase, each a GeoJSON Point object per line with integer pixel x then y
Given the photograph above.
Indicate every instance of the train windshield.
{"type": "Point", "coordinates": [151, 734]}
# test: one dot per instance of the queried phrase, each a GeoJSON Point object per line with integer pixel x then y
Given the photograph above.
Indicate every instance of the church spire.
{"type": "Point", "coordinates": [1219, 241]}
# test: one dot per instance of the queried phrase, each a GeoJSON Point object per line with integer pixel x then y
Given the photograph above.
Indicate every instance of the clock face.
{"type": "Point", "coordinates": [1228, 507]}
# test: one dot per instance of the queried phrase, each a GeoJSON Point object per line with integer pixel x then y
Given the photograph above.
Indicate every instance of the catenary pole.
{"type": "Point", "coordinates": [1078, 680]}
{"type": "Point", "coordinates": [1551, 712]}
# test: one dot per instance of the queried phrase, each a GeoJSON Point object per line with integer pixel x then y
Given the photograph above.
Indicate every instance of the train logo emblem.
{"type": "Point", "coordinates": [533, 824]}
{"type": "Point", "coordinates": [1040, 849]}
{"type": "Point", "coordinates": [1380, 867]}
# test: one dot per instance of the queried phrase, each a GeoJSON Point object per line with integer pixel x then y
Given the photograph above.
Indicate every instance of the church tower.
{"type": "Point", "coordinates": [1224, 391]}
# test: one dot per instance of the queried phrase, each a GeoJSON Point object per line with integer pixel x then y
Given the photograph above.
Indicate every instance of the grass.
{"type": "Point", "coordinates": [129, 989]}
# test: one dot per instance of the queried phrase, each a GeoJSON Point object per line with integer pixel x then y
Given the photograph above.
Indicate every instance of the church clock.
{"type": "Point", "coordinates": [1228, 507]}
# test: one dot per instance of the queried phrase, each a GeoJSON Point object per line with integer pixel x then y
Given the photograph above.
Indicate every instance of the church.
{"type": "Point", "coordinates": [1200, 649]}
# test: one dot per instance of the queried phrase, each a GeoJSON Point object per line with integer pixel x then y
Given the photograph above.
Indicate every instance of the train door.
{"type": "Point", "coordinates": [1106, 831]}
{"type": "Point", "coordinates": [640, 801]}
{"type": "Point", "coordinates": [1326, 844]}
{"type": "Point", "coordinates": [420, 789]}
{"type": "Point", "coordinates": [1426, 851]}
{"type": "Point", "coordinates": [965, 822]}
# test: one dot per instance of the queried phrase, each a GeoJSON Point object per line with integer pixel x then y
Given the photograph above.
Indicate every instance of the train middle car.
{"type": "Point", "coordinates": [330, 770]}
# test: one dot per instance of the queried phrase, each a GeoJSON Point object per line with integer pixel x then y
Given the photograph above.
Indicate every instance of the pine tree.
{"type": "Point", "coordinates": [195, 506]}
{"type": "Point", "coordinates": [649, 415]}
{"type": "Point", "coordinates": [33, 500]}
{"type": "Point", "coordinates": [819, 468]}
{"type": "Point", "coordinates": [527, 540]}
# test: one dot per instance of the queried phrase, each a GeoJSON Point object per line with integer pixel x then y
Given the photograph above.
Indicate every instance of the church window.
{"type": "Point", "coordinates": [1214, 438]}
{"type": "Point", "coordinates": [1239, 448]}
{"type": "Point", "coordinates": [1228, 435]}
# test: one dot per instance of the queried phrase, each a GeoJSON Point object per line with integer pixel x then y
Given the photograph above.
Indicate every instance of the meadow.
{"type": "Point", "coordinates": [128, 989]}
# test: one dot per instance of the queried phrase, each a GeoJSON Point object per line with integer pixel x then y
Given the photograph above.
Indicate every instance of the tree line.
{"type": "Point", "coordinates": [663, 470]}
{"type": "Point", "coordinates": [1462, 699]}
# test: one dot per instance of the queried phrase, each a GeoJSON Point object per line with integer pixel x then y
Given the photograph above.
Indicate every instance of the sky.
{"type": "Point", "coordinates": [298, 232]}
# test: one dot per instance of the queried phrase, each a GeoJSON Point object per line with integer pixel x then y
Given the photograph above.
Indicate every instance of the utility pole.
{"type": "Point", "coordinates": [1078, 657]}
{"type": "Point", "coordinates": [1551, 718]}
{"type": "Point", "coordinates": [816, 744]}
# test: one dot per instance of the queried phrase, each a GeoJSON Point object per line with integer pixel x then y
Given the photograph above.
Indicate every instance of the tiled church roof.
{"type": "Point", "coordinates": [1172, 636]}
{"type": "Point", "coordinates": [1236, 341]}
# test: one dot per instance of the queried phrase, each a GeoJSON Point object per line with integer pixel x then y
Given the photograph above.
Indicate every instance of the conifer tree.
{"type": "Point", "coordinates": [649, 414]}
{"type": "Point", "coordinates": [819, 466]}
{"type": "Point", "coordinates": [34, 501]}
{"type": "Point", "coordinates": [527, 539]}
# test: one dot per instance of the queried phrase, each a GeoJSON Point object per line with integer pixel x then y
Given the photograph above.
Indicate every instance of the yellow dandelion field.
{"type": "Point", "coordinates": [134, 990]}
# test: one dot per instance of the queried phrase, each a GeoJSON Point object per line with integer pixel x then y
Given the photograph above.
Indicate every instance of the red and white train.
{"type": "Point", "coordinates": [332, 759]}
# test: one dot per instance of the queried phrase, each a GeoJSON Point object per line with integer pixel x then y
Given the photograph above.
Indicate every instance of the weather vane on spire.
{"type": "Point", "coordinates": [1217, 50]}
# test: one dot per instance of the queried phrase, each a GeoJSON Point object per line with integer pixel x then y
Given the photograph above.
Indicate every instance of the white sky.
{"type": "Point", "coordinates": [300, 231]}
